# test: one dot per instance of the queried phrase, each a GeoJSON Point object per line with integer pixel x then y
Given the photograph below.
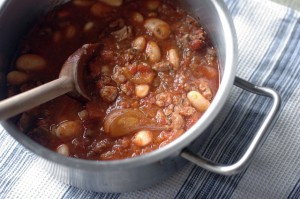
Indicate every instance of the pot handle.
{"type": "Point", "coordinates": [257, 140]}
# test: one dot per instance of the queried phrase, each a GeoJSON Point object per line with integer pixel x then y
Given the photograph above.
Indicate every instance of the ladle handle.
{"type": "Point", "coordinates": [34, 97]}
{"type": "Point", "coordinates": [256, 142]}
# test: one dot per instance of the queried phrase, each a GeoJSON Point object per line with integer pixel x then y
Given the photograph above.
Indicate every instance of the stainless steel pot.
{"type": "Point", "coordinates": [139, 172]}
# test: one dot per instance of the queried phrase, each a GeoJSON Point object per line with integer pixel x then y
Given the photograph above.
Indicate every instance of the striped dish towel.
{"type": "Point", "coordinates": [269, 47]}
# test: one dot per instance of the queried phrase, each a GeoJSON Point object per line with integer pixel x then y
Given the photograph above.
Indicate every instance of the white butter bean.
{"type": "Point", "coordinates": [68, 129]}
{"type": "Point", "coordinates": [70, 32]}
{"type": "Point", "coordinates": [31, 62]}
{"type": "Point", "coordinates": [57, 37]}
{"type": "Point", "coordinates": [142, 90]}
{"type": "Point", "coordinates": [158, 27]}
{"type": "Point", "coordinates": [83, 114]}
{"type": "Point", "coordinates": [63, 150]}
{"type": "Point", "coordinates": [153, 51]}
{"type": "Point", "coordinates": [143, 138]}
{"type": "Point", "coordinates": [105, 70]}
{"type": "Point", "coordinates": [120, 23]}
{"type": "Point", "coordinates": [137, 17]}
{"type": "Point", "coordinates": [173, 58]}
{"type": "Point", "coordinates": [83, 2]}
{"type": "Point", "coordinates": [88, 26]}
{"type": "Point", "coordinates": [152, 14]}
{"type": "Point", "coordinates": [139, 43]}
{"type": "Point", "coordinates": [112, 2]}
{"type": "Point", "coordinates": [100, 9]}
{"type": "Point", "coordinates": [152, 4]}
{"type": "Point", "coordinates": [198, 101]}
{"type": "Point", "coordinates": [16, 77]}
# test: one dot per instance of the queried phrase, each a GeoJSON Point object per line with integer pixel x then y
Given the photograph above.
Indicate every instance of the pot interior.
{"type": "Point", "coordinates": [213, 15]}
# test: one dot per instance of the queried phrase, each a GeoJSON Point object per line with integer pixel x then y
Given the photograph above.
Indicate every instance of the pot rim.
{"type": "Point", "coordinates": [171, 149]}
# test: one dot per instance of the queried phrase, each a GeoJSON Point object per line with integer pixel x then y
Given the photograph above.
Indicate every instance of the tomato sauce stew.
{"type": "Point", "coordinates": [153, 77]}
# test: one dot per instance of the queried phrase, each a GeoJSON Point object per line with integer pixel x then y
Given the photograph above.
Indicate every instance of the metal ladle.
{"type": "Point", "coordinates": [70, 80]}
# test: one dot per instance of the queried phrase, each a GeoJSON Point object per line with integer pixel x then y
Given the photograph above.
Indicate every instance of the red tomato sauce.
{"type": "Point", "coordinates": [156, 64]}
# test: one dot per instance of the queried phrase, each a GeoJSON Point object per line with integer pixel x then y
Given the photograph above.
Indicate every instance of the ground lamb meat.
{"type": "Point", "coordinates": [123, 33]}
{"type": "Point", "coordinates": [127, 88]}
{"type": "Point", "coordinates": [185, 110]}
{"type": "Point", "coordinates": [118, 75]}
{"type": "Point", "coordinates": [163, 99]}
{"type": "Point", "coordinates": [109, 93]}
{"type": "Point", "coordinates": [162, 66]}
{"type": "Point", "coordinates": [205, 90]}
{"type": "Point", "coordinates": [177, 121]}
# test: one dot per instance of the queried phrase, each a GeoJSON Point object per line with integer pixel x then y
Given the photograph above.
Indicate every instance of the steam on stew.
{"type": "Point", "coordinates": [154, 76]}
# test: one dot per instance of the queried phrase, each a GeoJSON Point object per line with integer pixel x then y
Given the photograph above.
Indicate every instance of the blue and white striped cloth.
{"type": "Point", "coordinates": [269, 47]}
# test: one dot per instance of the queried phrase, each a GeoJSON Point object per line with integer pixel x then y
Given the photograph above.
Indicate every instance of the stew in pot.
{"type": "Point", "coordinates": [154, 76]}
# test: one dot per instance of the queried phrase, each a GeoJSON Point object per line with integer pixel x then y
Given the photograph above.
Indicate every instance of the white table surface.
{"type": "Point", "coordinates": [290, 3]}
